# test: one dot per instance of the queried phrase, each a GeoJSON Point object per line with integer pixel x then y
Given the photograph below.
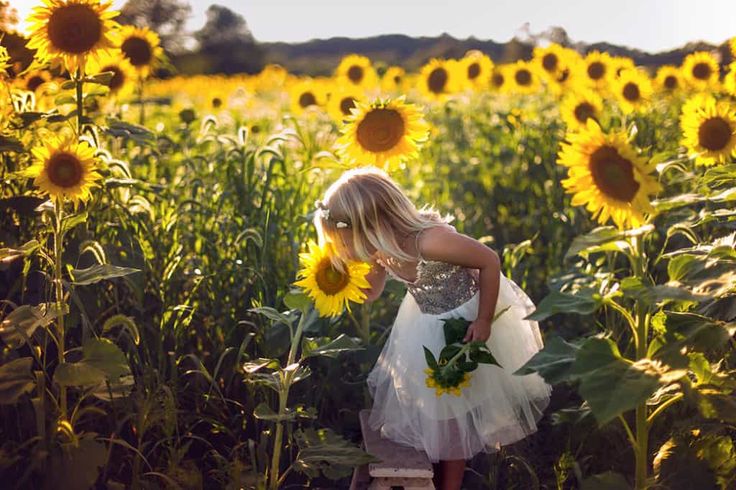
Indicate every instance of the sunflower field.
{"type": "Point", "coordinates": [169, 320]}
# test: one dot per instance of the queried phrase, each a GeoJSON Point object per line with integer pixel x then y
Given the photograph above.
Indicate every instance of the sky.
{"type": "Point", "coordinates": [650, 25]}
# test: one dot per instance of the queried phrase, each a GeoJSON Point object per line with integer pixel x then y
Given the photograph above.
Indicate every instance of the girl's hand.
{"type": "Point", "coordinates": [478, 330]}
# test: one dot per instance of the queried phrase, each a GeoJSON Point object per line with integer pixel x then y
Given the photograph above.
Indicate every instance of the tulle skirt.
{"type": "Point", "coordinates": [497, 408]}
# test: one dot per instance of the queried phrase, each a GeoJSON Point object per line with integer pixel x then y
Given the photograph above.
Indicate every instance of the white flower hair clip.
{"type": "Point", "coordinates": [325, 213]}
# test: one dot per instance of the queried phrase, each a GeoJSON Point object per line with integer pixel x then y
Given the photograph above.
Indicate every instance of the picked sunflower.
{"type": "Point", "coordinates": [330, 289]}
{"type": "Point", "coordinates": [67, 32]}
{"type": "Point", "coordinates": [142, 48]}
{"type": "Point", "coordinates": [700, 70]}
{"type": "Point", "coordinates": [607, 176]}
{"type": "Point", "coordinates": [579, 106]}
{"type": "Point", "coordinates": [357, 71]}
{"type": "Point", "coordinates": [452, 385]}
{"type": "Point", "coordinates": [709, 130]}
{"type": "Point", "coordinates": [382, 133]}
{"type": "Point", "coordinates": [669, 79]}
{"type": "Point", "coordinates": [64, 168]}
{"type": "Point", "coordinates": [633, 89]}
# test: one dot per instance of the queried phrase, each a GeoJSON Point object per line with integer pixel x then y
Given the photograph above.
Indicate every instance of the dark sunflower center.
{"type": "Point", "coordinates": [74, 28]}
{"type": "Point", "coordinates": [397, 79]}
{"type": "Point", "coordinates": [670, 82]}
{"type": "Point", "coordinates": [118, 78]}
{"type": "Point", "coordinates": [216, 102]}
{"type": "Point", "coordinates": [613, 174]}
{"type": "Point", "coordinates": [34, 82]}
{"type": "Point", "coordinates": [714, 134]}
{"type": "Point", "coordinates": [564, 75]}
{"type": "Point", "coordinates": [329, 280]}
{"type": "Point", "coordinates": [64, 169]}
{"type": "Point", "coordinates": [137, 50]}
{"type": "Point", "coordinates": [346, 104]}
{"type": "Point", "coordinates": [437, 80]}
{"type": "Point", "coordinates": [584, 111]}
{"type": "Point", "coordinates": [596, 70]}
{"type": "Point", "coordinates": [701, 71]}
{"type": "Point", "coordinates": [497, 79]}
{"type": "Point", "coordinates": [473, 71]}
{"type": "Point", "coordinates": [306, 99]}
{"type": "Point", "coordinates": [523, 77]}
{"type": "Point", "coordinates": [549, 61]}
{"type": "Point", "coordinates": [380, 130]}
{"type": "Point", "coordinates": [631, 92]}
{"type": "Point", "coordinates": [355, 73]}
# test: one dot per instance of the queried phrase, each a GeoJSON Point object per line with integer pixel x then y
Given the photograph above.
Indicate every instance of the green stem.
{"type": "Point", "coordinates": [642, 321]}
{"type": "Point", "coordinates": [58, 239]}
{"type": "Point", "coordinates": [142, 116]}
{"type": "Point", "coordinates": [79, 83]}
{"type": "Point", "coordinates": [662, 407]}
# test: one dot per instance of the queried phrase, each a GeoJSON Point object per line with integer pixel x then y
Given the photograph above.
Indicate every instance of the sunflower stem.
{"type": "Point", "coordinates": [61, 347]}
{"type": "Point", "coordinates": [79, 83]}
{"type": "Point", "coordinates": [142, 115]}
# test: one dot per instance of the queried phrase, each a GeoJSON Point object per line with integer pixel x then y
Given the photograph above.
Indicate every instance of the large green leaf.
{"type": "Point", "coordinates": [322, 450]}
{"type": "Point", "coordinates": [658, 294]}
{"type": "Point", "coordinates": [16, 379]}
{"type": "Point", "coordinates": [583, 303]}
{"type": "Point", "coordinates": [553, 362]}
{"type": "Point", "coordinates": [330, 348]}
{"type": "Point", "coordinates": [605, 238]}
{"type": "Point", "coordinates": [101, 360]}
{"type": "Point", "coordinates": [76, 467]}
{"type": "Point", "coordinates": [610, 384]}
{"type": "Point", "coordinates": [687, 331]}
{"type": "Point", "coordinates": [100, 272]}
{"type": "Point", "coordinates": [23, 321]}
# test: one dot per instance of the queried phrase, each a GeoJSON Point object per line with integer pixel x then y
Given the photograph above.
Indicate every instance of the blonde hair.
{"type": "Point", "coordinates": [377, 211]}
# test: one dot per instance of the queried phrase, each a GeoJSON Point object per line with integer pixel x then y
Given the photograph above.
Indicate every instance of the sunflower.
{"type": "Point", "coordinates": [356, 71]}
{"type": "Point", "coordinates": [477, 69]}
{"type": "Point", "coordinates": [342, 100]}
{"type": "Point", "coordinates": [331, 290]}
{"type": "Point", "coordinates": [579, 106]}
{"type": "Point", "coordinates": [700, 70]}
{"type": "Point", "coordinates": [122, 82]}
{"type": "Point", "coordinates": [669, 79]}
{"type": "Point", "coordinates": [709, 130]}
{"type": "Point", "coordinates": [598, 67]}
{"type": "Point", "coordinates": [33, 80]}
{"type": "Point", "coordinates": [524, 77]}
{"type": "Point", "coordinates": [307, 95]}
{"type": "Point", "coordinates": [453, 385]}
{"type": "Point", "coordinates": [550, 60]}
{"type": "Point", "coordinates": [141, 47]}
{"type": "Point", "coordinates": [4, 61]}
{"type": "Point", "coordinates": [393, 79]}
{"type": "Point", "coordinates": [633, 88]}
{"type": "Point", "coordinates": [382, 133]}
{"type": "Point", "coordinates": [500, 79]}
{"type": "Point", "coordinates": [64, 168]}
{"type": "Point", "coordinates": [439, 78]}
{"type": "Point", "coordinates": [619, 64]}
{"type": "Point", "coordinates": [729, 81]}
{"type": "Point", "coordinates": [67, 32]}
{"type": "Point", "coordinates": [607, 175]}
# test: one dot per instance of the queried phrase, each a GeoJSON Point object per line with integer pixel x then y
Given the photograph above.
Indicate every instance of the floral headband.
{"type": "Point", "coordinates": [325, 212]}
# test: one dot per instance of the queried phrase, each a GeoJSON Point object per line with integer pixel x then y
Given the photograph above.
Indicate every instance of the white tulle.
{"type": "Point", "coordinates": [497, 408]}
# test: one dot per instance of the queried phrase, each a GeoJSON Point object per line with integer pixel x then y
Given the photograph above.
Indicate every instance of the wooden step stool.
{"type": "Point", "coordinates": [401, 466]}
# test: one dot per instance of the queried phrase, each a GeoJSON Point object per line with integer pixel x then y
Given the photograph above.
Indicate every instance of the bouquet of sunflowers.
{"type": "Point", "coordinates": [458, 359]}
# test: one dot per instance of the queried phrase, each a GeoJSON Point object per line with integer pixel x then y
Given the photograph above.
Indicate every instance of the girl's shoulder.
{"type": "Point", "coordinates": [430, 234]}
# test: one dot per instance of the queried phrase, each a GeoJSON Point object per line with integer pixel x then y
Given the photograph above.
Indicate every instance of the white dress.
{"type": "Point", "coordinates": [497, 408]}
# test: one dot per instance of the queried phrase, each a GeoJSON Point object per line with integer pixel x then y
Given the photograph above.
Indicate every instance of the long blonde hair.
{"type": "Point", "coordinates": [377, 210]}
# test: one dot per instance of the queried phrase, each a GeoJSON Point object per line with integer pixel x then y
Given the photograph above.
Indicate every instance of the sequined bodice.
{"type": "Point", "coordinates": [439, 286]}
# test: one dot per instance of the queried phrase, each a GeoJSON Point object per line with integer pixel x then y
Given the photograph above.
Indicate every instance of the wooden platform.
{"type": "Point", "coordinates": [401, 466]}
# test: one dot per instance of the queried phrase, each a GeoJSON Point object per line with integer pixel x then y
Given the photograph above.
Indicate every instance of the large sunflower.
{"type": "Point", "coordinates": [67, 32]}
{"type": "Point", "coordinates": [382, 133]}
{"type": "Point", "coordinates": [356, 71]}
{"type": "Point", "coordinates": [439, 78]}
{"type": "Point", "coordinates": [524, 77]}
{"type": "Point", "coordinates": [142, 48]}
{"type": "Point", "coordinates": [709, 130]}
{"type": "Point", "coordinates": [64, 168]}
{"type": "Point", "coordinates": [633, 89]}
{"type": "Point", "coordinates": [579, 106]}
{"type": "Point", "coordinates": [701, 70]}
{"type": "Point", "coordinates": [607, 175]}
{"type": "Point", "coordinates": [477, 69]}
{"type": "Point", "coordinates": [669, 79]}
{"type": "Point", "coordinates": [330, 289]}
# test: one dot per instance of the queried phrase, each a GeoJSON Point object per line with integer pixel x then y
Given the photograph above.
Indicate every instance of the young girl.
{"type": "Point", "coordinates": [367, 217]}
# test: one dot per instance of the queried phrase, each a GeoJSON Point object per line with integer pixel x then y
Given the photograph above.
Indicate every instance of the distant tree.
{"type": "Point", "coordinates": [165, 17]}
{"type": "Point", "coordinates": [227, 43]}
